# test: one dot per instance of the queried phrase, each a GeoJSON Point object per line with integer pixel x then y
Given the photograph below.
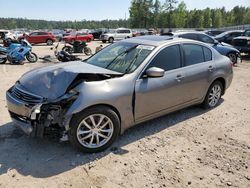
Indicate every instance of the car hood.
{"type": "Point", "coordinates": [53, 81]}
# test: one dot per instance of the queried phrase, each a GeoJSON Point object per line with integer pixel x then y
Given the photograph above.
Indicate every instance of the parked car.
{"type": "Point", "coordinates": [124, 84]}
{"type": "Point", "coordinates": [98, 32]}
{"type": "Point", "coordinates": [39, 37]}
{"type": "Point", "coordinates": [58, 34]}
{"type": "Point", "coordinates": [214, 33]}
{"type": "Point", "coordinates": [78, 37]}
{"type": "Point", "coordinates": [18, 34]}
{"type": "Point", "coordinates": [242, 43]}
{"type": "Point", "coordinates": [118, 34]}
{"type": "Point", "coordinates": [6, 34]}
{"type": "Point", "coordinates": [228, 36]}
{"type": "Point", "coordinates": [222, 48]}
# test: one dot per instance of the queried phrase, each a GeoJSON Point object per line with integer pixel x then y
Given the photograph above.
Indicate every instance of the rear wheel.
{"type": "Point", "coordinates": [49, 42]}
{"type": "Point", "coordinates": [68, 49]}
{"type": "Point", "coordinates": [233, 57]}
{"type": "Point", "coordinates": [104, 41]}
{"type": "Point", "coordinates": [213, 95]}
{"type": "Point", "coordinates": [95, 129]}
{"type": "Point", "coordinates": [31, 57]}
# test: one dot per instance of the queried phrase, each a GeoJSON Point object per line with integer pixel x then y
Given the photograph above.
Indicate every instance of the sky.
{"type": "Point", "coordinates": [91, 9]}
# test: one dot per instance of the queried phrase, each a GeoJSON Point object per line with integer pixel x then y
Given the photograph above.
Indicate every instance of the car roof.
{"type": "Point", "coordinates": [155, 40]}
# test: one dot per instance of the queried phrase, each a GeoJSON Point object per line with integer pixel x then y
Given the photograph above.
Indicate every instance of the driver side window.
{"type": "Point", "coordinates": [167, 59]}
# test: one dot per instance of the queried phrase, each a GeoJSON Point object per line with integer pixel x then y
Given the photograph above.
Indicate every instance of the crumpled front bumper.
{"type": "Point", "coordinates": [21, 113]}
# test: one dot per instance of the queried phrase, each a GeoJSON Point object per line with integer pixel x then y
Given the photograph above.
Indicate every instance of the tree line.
{"type": "Point", "coordinates": [13, 23]}
{"type": "Point", "coordinates": [171, 14]}
{"type": "Point", "coordinates": [147, 14]}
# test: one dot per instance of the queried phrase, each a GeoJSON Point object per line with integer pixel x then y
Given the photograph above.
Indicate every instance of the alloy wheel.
{"type": "Point", "coordinates": [95, 131]}
{"type": "Point", "coordinates": [214, 95]}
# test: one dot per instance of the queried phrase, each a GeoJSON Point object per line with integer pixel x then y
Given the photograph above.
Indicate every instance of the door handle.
{"type": "Point", "coordinates": [210, 68]}
{"type": "Point", "coordinates": [179, 78]}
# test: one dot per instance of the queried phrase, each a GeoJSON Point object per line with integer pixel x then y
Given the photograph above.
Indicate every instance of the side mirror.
{"type": "Point", "coordinates": [154, 72]}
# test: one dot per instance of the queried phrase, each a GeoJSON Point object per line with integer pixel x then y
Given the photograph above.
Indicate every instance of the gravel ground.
{"type": "Point", "coordinates": [189, 148]}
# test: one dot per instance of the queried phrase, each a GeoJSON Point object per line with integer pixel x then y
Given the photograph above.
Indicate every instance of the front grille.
{"type": "Point", "coordinates": [240, 42]}
{"type": "Point", "coordinates": [26, 96]}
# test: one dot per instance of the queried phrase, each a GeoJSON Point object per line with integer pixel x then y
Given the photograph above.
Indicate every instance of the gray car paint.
{"type": "Point", "coordinates": [118, 92]}
{"type": "Point", "coordinates": [134, 98]}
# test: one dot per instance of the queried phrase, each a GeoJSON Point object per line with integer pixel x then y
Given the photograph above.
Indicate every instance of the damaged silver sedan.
{"type": "Point", "coordinates": [129, 82]}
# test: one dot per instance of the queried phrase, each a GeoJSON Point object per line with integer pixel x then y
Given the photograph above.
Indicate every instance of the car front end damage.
{"type": "Point", "coordinates": [39, 101]}
{"type": "Point", "coordinates": [36, 115]}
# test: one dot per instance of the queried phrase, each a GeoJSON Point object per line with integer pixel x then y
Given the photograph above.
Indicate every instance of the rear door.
{"type": "Point", "coordinates": [198, 69]}
{"type": "Point", "coordinates": [43, 36]}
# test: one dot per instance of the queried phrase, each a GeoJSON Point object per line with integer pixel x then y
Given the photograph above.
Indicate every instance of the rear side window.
{"type": "Point", "coordinates": [123, 31]}
{"type": "Point", "coordinates": [193, 54]}
{"type": "Point", "coordinates": [207, 54]}
{"type": "Point", "coordinates": [189, 36]}
{"type": "Point", "coordinates": [167, 59]}
{"type": "Point", "coordinates": [206, 39]}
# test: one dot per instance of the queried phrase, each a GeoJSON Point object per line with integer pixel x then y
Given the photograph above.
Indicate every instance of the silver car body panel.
{"type": "Point", "coordinates": [134, 98]}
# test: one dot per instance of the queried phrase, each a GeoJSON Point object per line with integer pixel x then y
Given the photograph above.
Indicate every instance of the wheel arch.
{"type": "Point", "coordinates": [101, 105]}
{"type": "Point", "coordinates": [222, 81]}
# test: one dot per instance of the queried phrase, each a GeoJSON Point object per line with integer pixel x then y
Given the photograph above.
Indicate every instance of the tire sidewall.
{"type": "Point", "coordinates": [76, 119]}
{"type": "Point", "coordinates": [49, 42]}
{"type": "Point", "coordinates": [206, 101]}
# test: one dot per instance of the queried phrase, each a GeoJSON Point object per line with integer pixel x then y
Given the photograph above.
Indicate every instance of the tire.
{"type": "Point", "coordinates": [3, 61]}
{"type": "Point", "coordinates": [104, 41]}
{"type": "Point", "coordinates": [111, 40]}
{"type": "Point", "coordinates": [31, 57]}
{"type": "Point", "coordinates": [110, 118]}
{"type": "Point", "coordinates": [49, 42]}
{"type": "Point", "coordinates": [88, 40]}
{"type": "Point", "coordinates": [68, 49]}
{"type": "Point", "coordinates": [233, 57]}
{"type": "Point", "coordinates": [87, 51]}
{"type": "Point", "coordinates": [216, 87]}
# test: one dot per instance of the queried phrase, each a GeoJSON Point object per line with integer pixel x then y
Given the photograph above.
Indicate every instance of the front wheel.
{"type": "Point", "coordinates": [31, 57]}
{"type": "Point", "coordinates": [111, 40]}
{"type": "Point", "coordinates": [3, 60]}
{"type": "Point", "coordinates": [94, 129]}
{"type": "Point", "coordinates": [213, 95]}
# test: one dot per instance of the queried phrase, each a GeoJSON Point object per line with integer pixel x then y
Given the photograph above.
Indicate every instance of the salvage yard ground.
{"type": "Point", "coordinates": [189, 148]}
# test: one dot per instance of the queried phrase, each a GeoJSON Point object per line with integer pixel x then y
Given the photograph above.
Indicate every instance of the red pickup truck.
{"type": "Point", "coordinates": [78, 37]}
{"type": "Point", "coordinates": [39, 37]}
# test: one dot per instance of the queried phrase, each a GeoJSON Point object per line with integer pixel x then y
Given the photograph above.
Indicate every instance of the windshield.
{"type": "Point", "coordinates": [121, 57]}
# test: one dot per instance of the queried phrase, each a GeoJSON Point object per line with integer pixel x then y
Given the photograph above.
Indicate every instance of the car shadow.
{"type": "Point", "coordinates": [42, 158]}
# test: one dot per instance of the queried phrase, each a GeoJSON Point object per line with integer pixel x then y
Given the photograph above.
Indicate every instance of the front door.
{"type": "Point", "coordinates": [154, 95]}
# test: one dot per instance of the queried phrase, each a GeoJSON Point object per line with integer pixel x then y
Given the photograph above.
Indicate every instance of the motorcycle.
{"type": "Point", "coordinates": [62, 56]}
{"type": "Point", "coordinates": [77, 47]}
{"type": "Point", "coordinates": [18, 52]}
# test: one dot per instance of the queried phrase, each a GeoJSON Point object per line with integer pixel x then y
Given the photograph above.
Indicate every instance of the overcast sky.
{"type": "Point", "coordinates": [90, 10]}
